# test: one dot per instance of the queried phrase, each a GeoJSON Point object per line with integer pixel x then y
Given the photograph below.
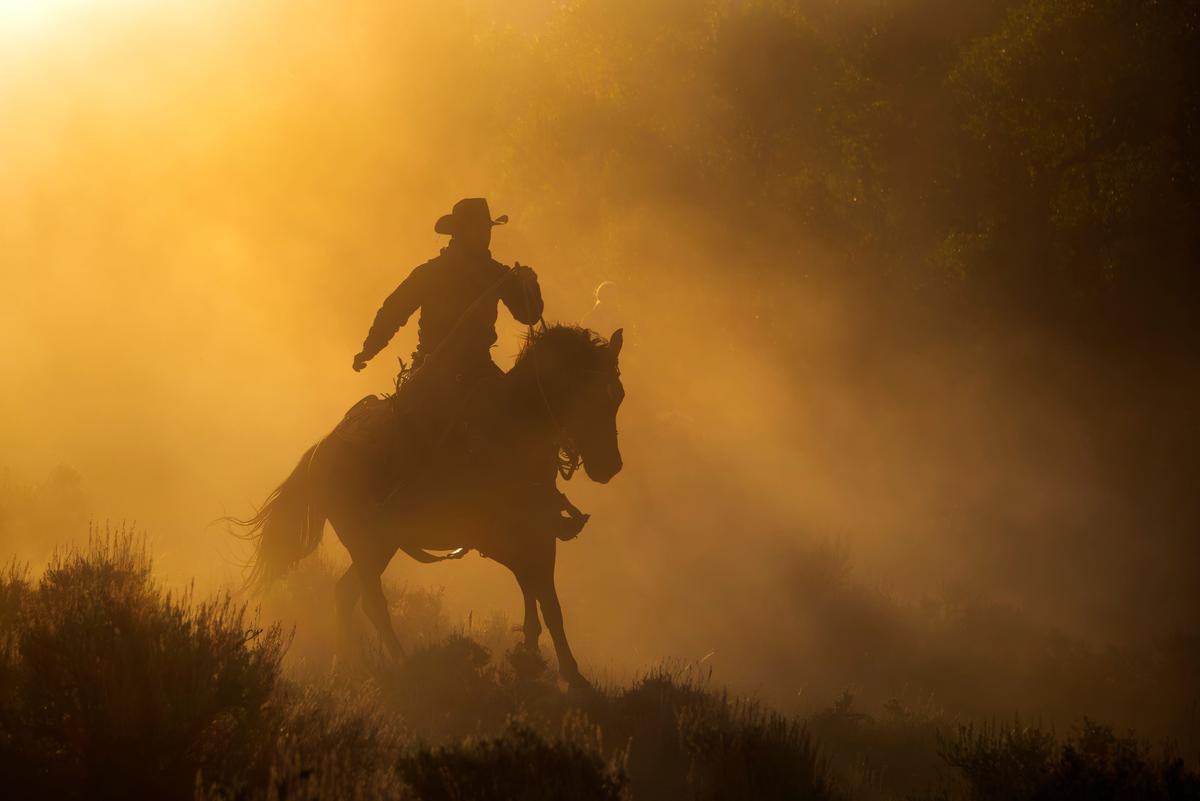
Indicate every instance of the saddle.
{"type": "Point", "coordinates": [367, 423]}
{"type": "Point", "coordinates": [428, 424]}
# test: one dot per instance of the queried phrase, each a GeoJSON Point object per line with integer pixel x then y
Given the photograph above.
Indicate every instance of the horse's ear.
{"type": "Point", "coordinates": [616, 341]}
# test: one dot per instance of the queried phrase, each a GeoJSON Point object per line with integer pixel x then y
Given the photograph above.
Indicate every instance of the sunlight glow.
{"type": "Point", "coordinates": [32, 16]}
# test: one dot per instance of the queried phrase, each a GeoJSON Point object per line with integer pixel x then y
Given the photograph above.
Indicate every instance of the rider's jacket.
{"type": "Point", "coordinates": [457, 293]}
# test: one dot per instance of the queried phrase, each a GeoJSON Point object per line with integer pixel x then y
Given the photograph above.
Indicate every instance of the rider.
{"type": "Point", "coordinates": [457, 294]}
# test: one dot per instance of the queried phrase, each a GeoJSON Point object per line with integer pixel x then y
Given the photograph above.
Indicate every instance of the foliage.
{"type": "Point", "coordinates": [117, 689]}
{"type": "Point", "coordinates": [112, 687]}
{"type": "Point", "coordinates": [1017, 763]}
{"type": "Point", "coordinates": [1076, 115]}
{"type": "Point", "coordinates": [333, 741]}
{"type": "Point", "coordinates": [688, 742]}
{"type": "Point", "coordinates": [519, 763]}
{"type": "Point", "coordinates": [885, 755]}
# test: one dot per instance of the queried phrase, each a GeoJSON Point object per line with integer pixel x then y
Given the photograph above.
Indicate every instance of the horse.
{"type": "Point", "coordinates": [491, 487]}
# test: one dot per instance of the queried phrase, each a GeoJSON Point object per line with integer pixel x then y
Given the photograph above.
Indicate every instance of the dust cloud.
{"type": "Point", "coordinates": [202, 205]}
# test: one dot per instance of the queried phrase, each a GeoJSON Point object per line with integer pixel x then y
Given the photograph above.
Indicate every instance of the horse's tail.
{"type": "Point", "coordinates": [287, 528]}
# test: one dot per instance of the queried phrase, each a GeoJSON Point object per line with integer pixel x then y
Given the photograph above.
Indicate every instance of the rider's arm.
{"type": "Point", "coordinates": [395, 311]}
{"type": "Point", "coordinates": [522, 295]}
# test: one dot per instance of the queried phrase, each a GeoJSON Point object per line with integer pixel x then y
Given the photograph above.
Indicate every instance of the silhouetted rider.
{"type": "Point", "coordinates": [457, 294]}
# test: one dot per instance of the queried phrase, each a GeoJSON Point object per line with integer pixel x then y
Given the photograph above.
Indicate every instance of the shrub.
{"type": "Point", "coordinates": [117, 689]}
{"type": "Point", "coordinates": [1015, 764]}
{"type": "Point", "coordinates": [886, 755]}
{"type": "Point", "coordinates": [519, 763]}
{"type": "Point", "coordinates": [333, 742]}
{"type": "Point", "coordinates": [447, 689]}
{"type": "Point", "coordinates": [112, 688]}
{"type": "Point", "coordinates": [686, 741]}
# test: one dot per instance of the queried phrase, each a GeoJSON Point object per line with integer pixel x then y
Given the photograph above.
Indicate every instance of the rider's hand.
{"type": "Point", "coordinates": [360, 361]}
{"type": "Point", "coordinates": [523, 273]}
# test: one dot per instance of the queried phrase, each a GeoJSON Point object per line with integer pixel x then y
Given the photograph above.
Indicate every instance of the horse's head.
{"type": "Point", "coordinates": [575, 376]}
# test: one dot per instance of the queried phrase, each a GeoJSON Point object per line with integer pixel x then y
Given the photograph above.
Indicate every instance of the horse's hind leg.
{"type": "Point", "coordinates": [375, 602]}
{"type": "Point", "coordinates": [532, 627]}
{"type": "Point", "coordinates": [367, 561]}
{"type": "Point", "coordinates": [347, 591]}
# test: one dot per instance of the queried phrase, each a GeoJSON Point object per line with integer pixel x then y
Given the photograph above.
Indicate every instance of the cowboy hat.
{"type": "Point", "coordinates": [468, 212]}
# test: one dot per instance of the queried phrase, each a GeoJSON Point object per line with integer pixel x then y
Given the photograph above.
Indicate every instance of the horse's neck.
{"type": "Point", "coordinates": [524, 406]}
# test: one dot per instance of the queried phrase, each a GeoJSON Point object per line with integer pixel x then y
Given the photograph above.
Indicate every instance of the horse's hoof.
{"type": "Point", "coordinates": [576, 683]}
{"type": "Point", "coordinates": [527, 661]}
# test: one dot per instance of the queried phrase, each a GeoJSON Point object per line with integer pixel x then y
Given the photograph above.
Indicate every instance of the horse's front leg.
{"type": "Point", "coordinates": [547, 596]}
{"type": "Point", "coordinates": [532, 627]}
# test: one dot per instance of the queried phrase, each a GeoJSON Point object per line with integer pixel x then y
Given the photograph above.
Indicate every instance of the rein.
{"type": "Point", "coordinates": [568, 456]}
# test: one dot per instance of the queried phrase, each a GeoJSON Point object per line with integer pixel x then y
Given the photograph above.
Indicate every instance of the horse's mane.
{"type": "Point", "coordinates": [575, 344]}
